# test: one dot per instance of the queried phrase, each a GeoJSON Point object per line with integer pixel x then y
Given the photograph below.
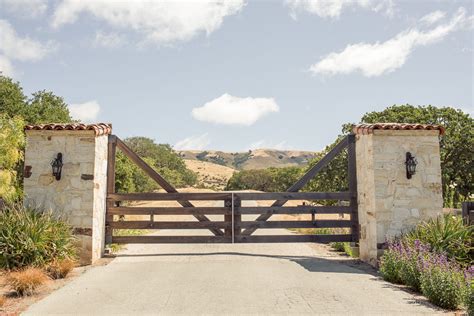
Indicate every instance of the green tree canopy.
{"type": "Point", "coordinates": [42, 107]}
{"type": "Point", "coordinates": [161, 157]}
{"type": "Point", "coordinates": [11, 143]}
{"type": "Point", "coordinates": [268, 180]}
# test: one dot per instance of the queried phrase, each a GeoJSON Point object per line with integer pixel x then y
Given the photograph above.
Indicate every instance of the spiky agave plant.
{"type": "Point", "coordinates": [447, 234]}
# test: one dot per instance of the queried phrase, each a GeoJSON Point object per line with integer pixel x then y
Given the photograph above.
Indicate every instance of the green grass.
{"type": "Point", "coordinates": [114, 248]}
{"type": "Point", "coordinates": [343, 247]}
{"type": "Point", "coordinates": [313, 231]}
{"type": "Point", "coordinates": [338, 246]}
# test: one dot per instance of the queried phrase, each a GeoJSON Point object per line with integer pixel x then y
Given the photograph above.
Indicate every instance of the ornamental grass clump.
{"type": "Point", "coordinates": [25, 282]}
{"type": "Point", "coordinates": [59, 269]}
{"type": "Point", "coordinates": [30, 237]}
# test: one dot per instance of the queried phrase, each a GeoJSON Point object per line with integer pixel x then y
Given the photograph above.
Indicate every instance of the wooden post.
{"type": "Point", "coordinates": [228, 218]}
{"type": "Point", "coordinates": [468, 213]}
{"type": "Point", "coordinates": [352, 179]}
{"type": "Point", "coordinates": [237, 217]}
{"type": "Point", "coordinates": [110, 186]}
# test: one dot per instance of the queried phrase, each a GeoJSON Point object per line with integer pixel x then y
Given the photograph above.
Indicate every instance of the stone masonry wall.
{"type": "Point", "coordinates": [79, 197]}
{"type": "Point", "coordinates": [389, 203]}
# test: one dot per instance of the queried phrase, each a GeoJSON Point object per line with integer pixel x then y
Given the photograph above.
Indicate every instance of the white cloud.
{"type": "Point", "coordinates": [195, 142]}
{"type": "Point", "coordinates": [334, 8]}
{"type": "Point", "coordinates": [228, 109]}
{"type": "Point", "coordinates": [85, 112]}
{"type": "Point", "coordinates": [108, 40]}
{"type": "Point", "coordinates": [380, 58]}
{"type": "Point", "coordinates": [6, 67]}
{"type": "Point", "coordinates": [14, 47]}
{"type": "Point", "coordinates": [433, 17]}
{"type": "Point", "coordinates": [158, 21]}
{"type": "Point", "coordinates": [24, 8]}
{"type": "Point", "coordinates": [264, 144]}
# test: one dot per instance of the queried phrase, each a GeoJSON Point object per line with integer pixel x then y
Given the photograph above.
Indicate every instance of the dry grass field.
{"type": "Point", "coordinates": [252, 159]}
{"type": "Point", "coordinates": [210, 175]}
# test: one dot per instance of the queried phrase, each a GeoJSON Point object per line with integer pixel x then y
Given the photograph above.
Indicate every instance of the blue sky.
{"type": "Point", "coordinates": [234, 75]}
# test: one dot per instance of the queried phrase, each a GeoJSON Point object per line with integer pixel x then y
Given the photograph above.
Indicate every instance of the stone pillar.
{"type": "Point", "coordinates": [389, 203]}
{"type": "Point", "coordinates": [80, 195]}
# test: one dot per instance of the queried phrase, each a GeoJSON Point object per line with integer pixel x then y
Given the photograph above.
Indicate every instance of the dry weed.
{"type": "Point", "coordinates": [59, 269]}
{"type": "Point", "coordinates": [25, 282]}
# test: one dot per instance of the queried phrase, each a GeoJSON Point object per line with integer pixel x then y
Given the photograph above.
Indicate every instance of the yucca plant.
{"type": "Point", "coordinates": [31, 237]}
{"type": "Point", "coordinates": [447, 234]}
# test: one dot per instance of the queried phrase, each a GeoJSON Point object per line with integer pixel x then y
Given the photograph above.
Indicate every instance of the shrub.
{"type": "Point", "coordinates": [25, 282]}
{"type": "Point", "coordinates": [449, 235]}
{"type": "Point", "coordinates": [338, 246]}
{"type": "Point", "coordinates": [29, 237]}
{"type": "Point", "coordinates": [343, 247]}
{"type": "Point", "coordinates": [443, 282]}
{"type": "Point", "coordinates": [390, 263]}
{"type": "Point", "coordinates": [469, 300]}
{"type": "Point", "coordinates": [59, 269]}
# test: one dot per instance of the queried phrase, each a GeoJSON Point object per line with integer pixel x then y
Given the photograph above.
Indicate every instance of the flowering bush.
{"type": "Point", "coordinates": [390, 263]}
{"type": "Point", "coordinates": [470, 299]}
{"type": "Point", "coordinates": [443, 281]}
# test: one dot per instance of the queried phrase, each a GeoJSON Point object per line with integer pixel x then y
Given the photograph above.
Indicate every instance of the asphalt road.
{"type": "Point", "coordinates": [190, 279]}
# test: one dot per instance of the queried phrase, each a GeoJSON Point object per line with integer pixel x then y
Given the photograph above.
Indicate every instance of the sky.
{"type": "Point", "coordinates": [239, 74]}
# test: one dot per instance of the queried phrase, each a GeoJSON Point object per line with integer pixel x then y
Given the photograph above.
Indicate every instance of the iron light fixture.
{"type": "Point", "coordinates": [57, 166]}
{"type": "Point", "coordinates": [410, 164]}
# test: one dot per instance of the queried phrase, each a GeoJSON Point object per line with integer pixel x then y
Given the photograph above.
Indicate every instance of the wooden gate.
{"type": "Point", "coordinates": [234, 227]}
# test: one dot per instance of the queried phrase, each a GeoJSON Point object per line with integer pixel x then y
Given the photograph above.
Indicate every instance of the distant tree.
{"type": "Point", "coordinates": [161, 157]}
{"type": "Point", "coordinates": [45, 107]}
{"type": "Point", "coordinates": [42, 107]}
{"type": "Point", "coordinates": [267, 180]}
{"type": "Point", "coordinates": [13, 102]}
{"type": "Point", "coordinates": [259, 179]}
{"type": "Point", "coordinates": [124, 171]}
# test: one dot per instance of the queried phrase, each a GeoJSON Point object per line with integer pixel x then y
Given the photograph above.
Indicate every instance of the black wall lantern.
{"type": "Point", "coordinates": [57, 165]}
{"type": "Point", "coordinates": [410, 164]}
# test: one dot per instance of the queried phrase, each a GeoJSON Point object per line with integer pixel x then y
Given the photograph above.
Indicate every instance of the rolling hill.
{"type": "Point", "coordinates": [214, 168]}
{"type": "Point", "coordinates": [252, 159]}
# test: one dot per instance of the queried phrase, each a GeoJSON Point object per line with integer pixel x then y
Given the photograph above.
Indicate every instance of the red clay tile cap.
{"type": "Point", "coordinates": [369, 128]}
{"type": "Point", "coordinates": [98, 128]}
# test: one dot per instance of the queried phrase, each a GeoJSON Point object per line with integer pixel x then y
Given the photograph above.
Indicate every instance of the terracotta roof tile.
{"type": "Point", "coordinates": [98, 128]}
{"type": "Point", "coordinates": [369, 128]}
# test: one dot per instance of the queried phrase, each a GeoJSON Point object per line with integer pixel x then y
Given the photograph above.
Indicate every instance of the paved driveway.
{"type": "Point", "coordinates": [229, 279]}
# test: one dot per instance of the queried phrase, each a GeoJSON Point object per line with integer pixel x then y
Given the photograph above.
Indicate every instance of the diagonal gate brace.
{"type": "Point", "coordinates": [303, 180]}
{"type": "Point", "coordinates": [161, 181]}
